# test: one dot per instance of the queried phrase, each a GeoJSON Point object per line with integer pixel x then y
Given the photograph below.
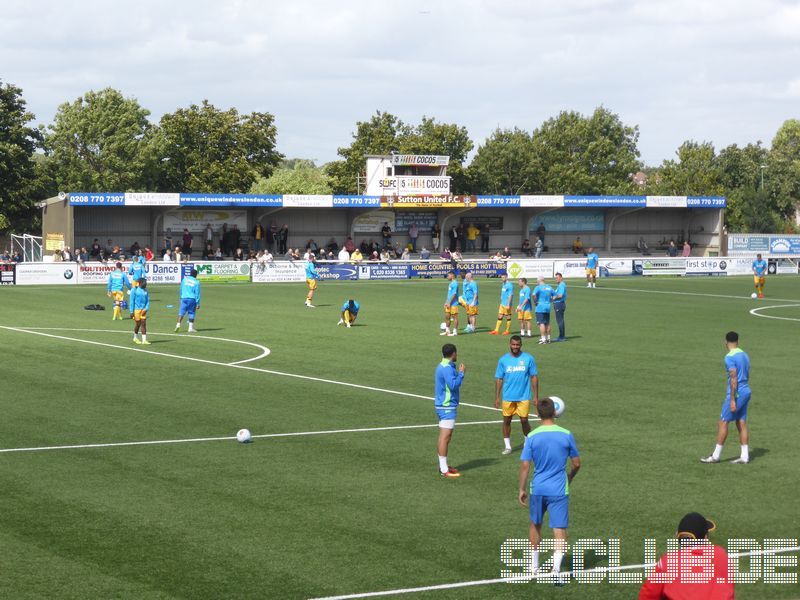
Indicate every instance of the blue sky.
{"type": "Point", "coordinates": [724, 71]}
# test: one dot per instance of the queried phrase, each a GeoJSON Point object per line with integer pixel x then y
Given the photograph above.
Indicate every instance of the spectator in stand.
{"type": "Point", "coordinates": [272, 237]}
{"type": "Point", "coordinates": [16, 257]}
{"type": "Point", "coordinates": [472, 235]}
{"type": "Point", "coordinates": [540, 231]}
{"type": "Point", "coordinates": [577, 245]}
{"type": "Point", "coordinates": [283, 239]}
{"type": "Point", "coordinates": [406, 255]}
{"type": "Point", "coordinates": [236, 236]}
{"type": "Point", "coordinates": [108, 250]}
{"type": "Point", "coordinates": [208, 253]}
{"type": "Point", "coordinates": [397, 251]}
{"type": "Point", "coordinates": [539, 247]}
{"type": "Point", "coordinates": [116, 253]}
{"type": "Point", "coordinates": [289, 254]}
{"type": "Point", "coordinates": [238, 254]}
{"type": "Point", "coordinates": [374, 257]}
{"type": "Point", "coordinates": [321, 254]}
{"type": "Point", "coordinates": [177, 256]}
{"type": "Point", "coordinates": [485, 237]}
{"type": "Point", "coordinates": [66, 254]}
{"type": "Point", "coordinates": [425, 254]}
{"type": "Point", "coordinates": [135, 248]}
{"type": "Point", "coordinates": [252, 256]}
{"type": "Point", "coordinates": [506, 253]}
{"type": "Point", "coordinates": [436, 237]}
{"type": "Point", "coordinates": [329, 255]}
{"type": "Point", "coordinates": [413, 234]}
{"type": "Point", "coordinates": [186, 246]}
{"type": "Point", "coordinates": [96, 250]}
{"type": "Point", "coordinates": [333, 246]}
{"type": "Point", "coordinates": [456, 256]}
{"type": "Point", "coordinates": [672, 249]}
{"type": "Point", "coordinates": [208, 235]}
{"type": "Point", "coordinates": [526, 248]}
{"type": "Point", "coordinates": [453, 238]}
{"type": "Point", "coordinates": [168, 242]}
{"type": "Point", "coordinates": [344, 255]}
{"type": "Point", "coordinates": [386, 234]}
{"type": "Point", "coordinates": [349, 245]}
{"type": "Point", "coordinates": [312, 245]}
{"type": "Point", "coordinates": [357, 255]}
{"type": "Point", "coordinates": [461, 241]}
{"type": "Point", "coordinates": [167, 255]}
{"type": "Point", "coordinates": [57, 256]}
{"type": "Point", "coordinates": [687, 249]}
{"type": "Point", "coordinates": [225, 239]}
{"type": "Point", "coordinates": [5, 256]}
{"type": "Point", "coordinates": [258, 236]}
{"type": "Point", "coordinates": [445, 255]}
{"type": "Point", "coordinates": [148, 253]}
{"type": "Point", "coordinates": [218, 253]}
{"type": "Point", "coordinates": [384, 255]}
{"type": "Point", "coordinates": [641, 245]}
{"type": "Point", "coordinates": [374, 246]}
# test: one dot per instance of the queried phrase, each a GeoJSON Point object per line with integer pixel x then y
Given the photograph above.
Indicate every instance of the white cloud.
{"type": "Point", "coordinates": [704, 69]}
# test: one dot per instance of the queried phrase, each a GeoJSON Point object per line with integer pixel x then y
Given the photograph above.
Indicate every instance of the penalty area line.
{"type": "Point", "coordinates": [33, 331]}
{"type": "Point", "coordinates": [229, 438]}
{"type": "Point", "coordinates": [528, 578]}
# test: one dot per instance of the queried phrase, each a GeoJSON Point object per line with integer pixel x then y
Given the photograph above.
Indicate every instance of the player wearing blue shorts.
{"type": "Point", "coordinates": [451, 306]}
{"type": "Point", "coordinates": [543, 294]}
{"type": "Point", "coordinates": [190, 300]}
{"type": "Point", "coordinates": [140, 305]}
{"type": "Point", "coordinates": [548, 447]}
{"type": "Point", "coordinates": [592, 261]}
{"type": "Point", "coordinates": [759, 274]}
{"type": "Point", "coordinates": [447, 386]}
{"type": "Point", "coordinates": [737, 398]}
{"type": "Point", "coordinates": [350, 310]}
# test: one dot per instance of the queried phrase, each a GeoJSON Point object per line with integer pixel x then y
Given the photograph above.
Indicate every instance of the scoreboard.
{"type": "Point", "coordinates": [7, 271]}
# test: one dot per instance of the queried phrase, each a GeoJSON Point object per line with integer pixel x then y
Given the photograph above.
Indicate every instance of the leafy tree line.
{"type": "Point", "coordinates": [104, 141]}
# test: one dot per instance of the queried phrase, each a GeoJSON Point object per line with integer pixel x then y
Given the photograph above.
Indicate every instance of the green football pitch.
{"type": "Point", "coordinates": [339, 492]}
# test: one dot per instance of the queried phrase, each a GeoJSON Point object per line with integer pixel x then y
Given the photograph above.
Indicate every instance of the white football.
{"type": "Point", "coordinates": [754, 295]}
{"type": "Point", "coordinates": [443, 326]}
{"type": "Point", "coordinates": [243, 436]}
{"type": "Point", "coordinates": [559, 405]}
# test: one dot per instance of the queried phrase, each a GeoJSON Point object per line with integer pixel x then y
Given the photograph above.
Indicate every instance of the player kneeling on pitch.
{"type": "Point", "coordinates": [140, 304]}
{"type": "Point", "coordinates": [548, 447]}
{"type": "Point", "coordinates": [350, 310]}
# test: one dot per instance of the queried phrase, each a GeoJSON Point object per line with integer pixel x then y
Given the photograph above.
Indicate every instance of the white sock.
{"type": "Point", "coordinates": [144, 337]}
{"type": "Point", "coordinates": [717, 452]}
{"type": "Point", "coordinates": [548, 337]}
{"type": "Point", "coordinates": [134, 337]}
{"type": "Point", "coordinates": [745, 452]}
{"type": "Point", "coordinates": [535, 561]}
{"type": "Point", "coordinates": [557, 556]}
{"type": "Point", "coordinates": [507, 442]}
{"type": "Point", "coordinates": [443, 464]}
{"type": "Point", "coordinates": [340, 321]}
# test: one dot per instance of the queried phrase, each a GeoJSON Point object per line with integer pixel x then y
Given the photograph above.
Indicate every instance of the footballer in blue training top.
{"type": "Point", "coordinates": [504, 310]}
{"type": "Point", "coordinates": [543, 294]}
{"type": "Point", "coordinates": [548, 447]}
{"type": "Point", "coordinates": [524, 307]}
{"type": "Point", "coordinates": [451, 306]}
{"type": "Point", "coordinates": [516, 383]}
{"type": "Point", "coordinates": [447, 382]}
{"type": "Point", "coordinates": [190, 300]}
{"type": "Point", "coordinates": [737, 399]}
{"type": "Point", "coordinates": [592, 260]}
{"type": "Point", "coordinates": [759, 274]}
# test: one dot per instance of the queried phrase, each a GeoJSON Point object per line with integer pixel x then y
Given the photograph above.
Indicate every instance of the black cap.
{"type": "Point", "coordinates": [695, 525]}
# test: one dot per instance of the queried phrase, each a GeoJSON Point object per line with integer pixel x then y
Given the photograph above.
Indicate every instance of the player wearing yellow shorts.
{"type": "Point", "coordinates": [759, 274]}
{"type": "Point", "coordinates": [140, 304]}
{"type": "Point", "coordinates": [524, 307]}
{"type": "Point", "coordinates": [592, 261]}
{"type": "Point", "coordinates": [504, 310]}
{"type": "Point", "coordinates": [469, 300]}
{"type": "Point", "coordinates": [451, 306]}
{"type": "Point", "coordinates": [117, 282]}
{"type": "Point", "coordinates": [311, 279]}
{"type": "Point", "coordinates": [516, 381]}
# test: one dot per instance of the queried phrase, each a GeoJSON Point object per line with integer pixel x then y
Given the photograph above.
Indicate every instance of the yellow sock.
{"type": "Point", "coordinates": [347, 316]}
{"type": "Point", "coordinates": [508, 325]}
{"type": "Point", "coordinates": [116, 311]}
{"type": "Point", "coordinates": [497, 327]}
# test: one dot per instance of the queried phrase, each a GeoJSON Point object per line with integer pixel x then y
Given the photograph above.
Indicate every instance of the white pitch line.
{"type": "Point", "coordinates": [216, 439]}
{"type": "Point", "coordinates": [524, 579]}
{"type": "Point", "coordinates": [32, 331]}
{"type": "Point", "coordinates": [755, 312]}
{"type": "Point", "coordinates": [613, 289]}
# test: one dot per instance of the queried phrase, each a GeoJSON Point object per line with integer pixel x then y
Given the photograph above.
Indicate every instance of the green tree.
{"type": "Point", "coordinates": [505, 165]}
{"type": "Point", "coordinates": [295, 176]}
{"type": "Point", "coordinates": [752, 211]}
{"type": "Point", "coordinates": [18, 143]}
{"type": "Point", "coordinates": [101, 143]}
{"type": "Point", "coordinates": [385, 133]}
{"type": "Point", "coordinates": [205, 149]}
{"type": "Point", "coordinates": [695, 173]}
{"type": "Point", "coordinates": [782, 176]}
{"type": "Point", "coordinates": [597, 154]}
{"type": "Point", "coordinates": [740, 168]}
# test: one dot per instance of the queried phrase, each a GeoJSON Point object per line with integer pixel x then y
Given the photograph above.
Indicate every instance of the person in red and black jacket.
{"type": "Point", "coordinates": [671, 581]}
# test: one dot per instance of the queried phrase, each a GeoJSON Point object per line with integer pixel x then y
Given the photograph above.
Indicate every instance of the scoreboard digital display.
{"type": "Point", "coordinates": [7, 272]}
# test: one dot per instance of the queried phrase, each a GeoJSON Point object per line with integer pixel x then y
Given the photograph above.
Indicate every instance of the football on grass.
{"type": "Point", "coordinates": [243, 436]}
